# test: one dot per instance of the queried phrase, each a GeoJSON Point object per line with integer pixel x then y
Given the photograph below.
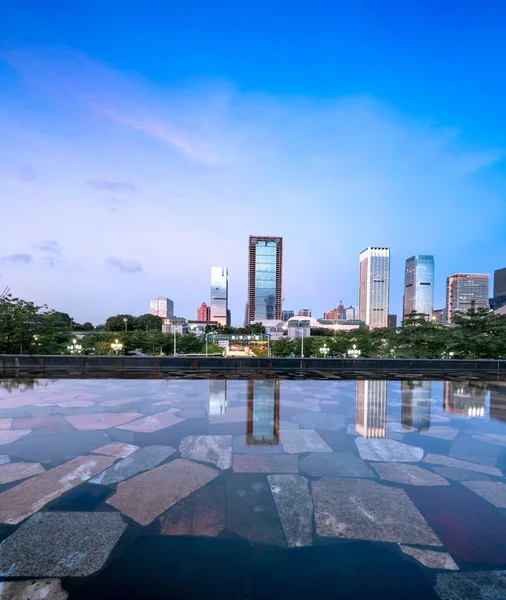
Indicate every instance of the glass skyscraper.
{"type": "Point", "coordinates": [219, 295]}
{"type": "Point", "coordinates": [265, 278]}
{"type": "Point", "coordinates": [419, 285]}
{"type": "Point", "coordinates": [499, 288]}
{"type": "Point", "coordinates": [465, 291]}
{"type": "Point", "coordinates": [374, 289]}
{"type": "Point", "coordinates": [371, 408]}
{"type": "Point", "coordinates": [161, 307]}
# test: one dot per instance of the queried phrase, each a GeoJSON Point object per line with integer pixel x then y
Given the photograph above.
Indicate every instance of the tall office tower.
{"type": "Point", "coordinates": [351, 313]}
{"type": "Point", "coordinates": [161, 307]}
{"type": "Point", "coordinates": [374, 288]}
{"type": "Point", "coordinates": [246, 314]}
{"type": "Point", "coordinates": [287, 314]}
{"type": "Point", "coordinates": [416, 401]}
{"type": "Point", "coordinates": [203, 312]}
{"type": "Point", "coordinates": [465, 399]}
{"type": "Point", "coordinates": [304, 312]}
{"type": "Point", "coordinates": [265, 278]}
{"type": "Point", "coordinates": [419, 285]}
{"type": "Point", "coordinates": [371, 408]}
{"type": "Point", "coordinates": [465, 291]}
{"type": "Point", "coordinates": [392, 321]}
{"type": "Point", "coordinates": [499, 288]}
{"type": "Point", "coordinates": [262, 422]}
{"type": "Point", "coordinates": [219, 295]}
{"type": "Point", "coordinates": [336, 313]}
{"type": "Point", "coordinates": [439, 316]}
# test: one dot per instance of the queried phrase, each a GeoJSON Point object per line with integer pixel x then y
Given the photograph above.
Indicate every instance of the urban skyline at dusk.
{"type": "Point", "coordinates": [126, 174]}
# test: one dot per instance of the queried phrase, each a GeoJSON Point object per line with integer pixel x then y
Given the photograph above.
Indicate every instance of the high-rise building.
{"type": "Point", "coordinates": [416, 401]}
{"type": "Point", "coordinates": [287, 314]}
{"type": "Point", "coordinates": [465, 291]}
{"type": "Point", "coordinates": [265, 278]}
{"type": "Point", "coordinates": [392, 321]}
{"type": "Point", "coordinates": [351, 313]}
{"type": "Point", "coordinates": [246, 314]}
{"type": "Point", "coordinates": [203, 312]}
{"type": "Point", "coordinates": [371, 420]}
{"type": "Point", "coordinates": [439, 316]}
{"type": "Point", "coordinates": [336, 313]}
{"type": "Point", "coordinates": [499, 288]}
{"type": "Point", "coordinates": [374, 289]}
{"type": "Point", "coordinates": [304, 312]}
{"type": "Point", "coordinates": [161, 307]}
{"type": "Point", "coordinates": [219, 295]}
{"type": "Point", "coordinates": [465, 399]}
{"type": "Point", "coordinates": [419, 285]}
{"type": "Point", "coordinates": [262, 423]}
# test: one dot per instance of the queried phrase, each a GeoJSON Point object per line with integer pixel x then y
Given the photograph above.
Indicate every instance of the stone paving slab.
{"type": "Point", "coordinates": [337, 464]}
{"type": "Point", "coordinates": [442, 432]}
{"type": "Point", "coordinates": [460, 474]}
{"type": "Point", "coordinates": [6, 423]}
{"type": "Point", "coordinates": [468, 448]}
{"type": "Point", "coordinates": [19, 470]}
{"type": "Point", "coordinates": [152, 423]}
{"type": "Point", "coordinates": [408, 474]}
{"type": "Point", "coordinates": [214, 449]}
{"type": "Point", "coordinates": [492, 491]}
{"type": "Point", "coordinates": [295, 507]}
{"type": "Point", "coordinates": [121, 401]}
{"type": "Point", "coordinates": [100, 420]}
{"type": "Point", "coordinates": [472, 585]}
{"type": "Point", "coordinates": [116, 449]}
{"type": "Point", "coordinates": [266, 463]}
{"type": "Point", "coordinates": [302, 440]}
{"type": "Point", "coordinates": [448, 461]}
{"type": "Point", "coordinates": [387, 450]}
{"type": "Point", "coordinates": [492, 438]}
{"type": "Point", "coordinates": [4, 458]}
{"type": "Point", "coordinates": [38, 589]}
{"type": "Point", "coordinates": [28, 497]}
{"type": "Point", "coordinates": [432, 559]}
{"type": "Point", "coordinates": [147, 496]}
{"type": "Point", "coordinates": [144, 459]}
{"type": "Point", "coordinates": [240, 446]}
{"type": "Point", "coordinates": [327, 421]}
{"type": "Point", "coordinates": [8, 436]}
{"type": "Point", "coordinates": [61, 544]}
{"type": "Point", "coordinates": [362, 509]}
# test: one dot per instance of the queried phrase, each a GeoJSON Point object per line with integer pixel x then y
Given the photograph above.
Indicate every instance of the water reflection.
{"type": "Point", "coordinates": [416, 397]}
{"type": "Point", "coordinates": [371, 408]}
{"type": "Point", "coordinates": [23, 385]}
{"type": "Point", "coordinates": [465, 398]}
{"type": "Point", "coordinates": [262, 427]}
{"type": "Point", "coordinates": [217, 397]}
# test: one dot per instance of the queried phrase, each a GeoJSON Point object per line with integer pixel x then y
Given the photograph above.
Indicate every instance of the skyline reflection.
{"type": "Point", "coordinates": [262, 425]}
{"type": "Point", "coordinates": [371, 404]}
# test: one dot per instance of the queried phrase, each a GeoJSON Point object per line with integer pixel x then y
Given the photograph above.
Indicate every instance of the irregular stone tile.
{"type": "Point", "coordinates": [4, 459]}
{"type": "Point", "coordinates": [438, 419]}
{"type": "Point", "coordinates": [295, 507]}
{"type": "Point", "coordinates": [492, 491]}
{"type": "Point", "coordinates": [117, 449]}
{"type": "Point", "coordinates": [214, 449]}
{"type": "Point", "coordinates": [74, 404]}
{"type": "Point", "coordinates": [152, 423]}
{"type": "Point", "coordinates": [442, 432]}
{"type": "Point", "coordinates": [431, 559]}
{"type": "Point", "coordinates": [20, 470]}
{"type": "Point", "coordinates": [39, 589]}
{"type": "Point", "coordinates": [147, 496]}
{"type": "Point", "coordinates": [201, 514]}
{"type": "Point", "coordinates": [9, 436]}
{"type": "Point", "coordinates": [5, 423]}
{"type": "Point", "coordinates": [192, 413]}
{"type": "Point", "coordinates": [28, 497]}
{"type": "Point", "coordinates": [144, 459]}
{"type": "Point", "coordinates": [235, 414]}
{"type": "Point", "coordinates": [275, 463]}
{"type": "Point", "coordinates": [251, 512]}
{"type": "Point", "coordinates": [408, 474]}
{"type": "Point", "coordinates": [337, 464]}
{"type": "Point", "coordinates": [399, 427]}
{"type": "Point", "coordinates": [460, 474]}
{"type": "Point", "coordinates": [448, 461]}
{"type": "Point", "coordinates": [472, 585]}
{"type": "Point", "coordinates": [241, 446]}
{"type": "Point", "coordinates": [329, 421]}
{"type": "Point", "coordinates": [302, 440]}
{"type": "Point", "coordinates": [470, 528]}
{"type": "Point", "coordinates": [391, 435]}
{"type": "Point", "coordinates": [492, 438]}
{"type": "Point", "coordinates": [286, 425]}
{"type": "Point", "coordinates": [470, 449]}
{"type": "Point", "coordinates": [87, 396]}
{"type": "Point", "coordinates": [17, 401]}
{"type": "Point", "coordinates": [120, 401]}
{"type": "Point", "coordinates": [50, 424]}
{"type": "Point", "coordinates": [387, 450]}
{"type": "Point", "coordinates": [351, 429]}
{"type": "Point", "coordinates": [365, 510]}
{"type": "Point", "coordinates": [65, 544]}
{"type": "Point", "coordinates": [100, 421]}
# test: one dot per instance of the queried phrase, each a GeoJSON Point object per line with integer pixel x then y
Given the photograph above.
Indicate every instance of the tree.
{"type": "Point", "coordinates": [20, 323]}
{"type": "Point", "coordinates": [148, 321]}
{"type": "Point", "coordinates": [120, 323]}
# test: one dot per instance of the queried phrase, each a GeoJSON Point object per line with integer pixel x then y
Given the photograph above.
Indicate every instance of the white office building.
{"type": "Point", "coordinates": [374, 287]}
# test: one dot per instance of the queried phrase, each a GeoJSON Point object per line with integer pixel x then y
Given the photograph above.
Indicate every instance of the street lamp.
{"type": "Point", "coordinates": [116, 346]}
{"type": "Point", "coordinates": [74, 347]}
{"type": "Point", "coordinates": [354, 352]}
{"type": "Point", "coordinates": [125, 321]}
{"type": "Point", "coordinates": [324, 350]}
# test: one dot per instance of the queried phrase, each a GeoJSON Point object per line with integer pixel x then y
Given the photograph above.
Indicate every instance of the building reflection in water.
{"type": "Point", "coordinates": [217, 397]}
{"type": "Point", "coordinates": [498, 402]}
{"type": "Point", "coordinates": [262, 426]}
{"type": "Point", "coordinates": [371, 408]}
{"type": "Point", "coordinates": [415, 410]}
{"type": "Point", "coordinates": [465, 398]}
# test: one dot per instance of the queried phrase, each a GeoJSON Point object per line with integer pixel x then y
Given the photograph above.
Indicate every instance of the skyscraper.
{"type": "Point", "coordinates": [265, 278]}
{"type": "Point", "coordinates": [374, 288]}
{"type": "Point", "coordinates": [219, 295]}
{"type": "Point", "coordinates": [371, 408]}
{"type": "Point", "coordinates": [161, 307]}
{"type": "Point", "coordinates": [287, 314]}
{"type": "Point", "coordinates": [304, 312]}
{"type": "Point", "coordinates": [203, 313]}
{"type": "Point", "coordinates": [499, 288]}
{"type": "Point", "coordinates": [416, 399]}
{"type": "Point", "coordinates": [465, 291]}
{"type": "Point", "coordinates": [392, 321]}
{"type": "Point", "coordinates": [419, 285]}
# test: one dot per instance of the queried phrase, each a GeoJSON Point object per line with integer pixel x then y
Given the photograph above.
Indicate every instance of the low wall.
{"type": "Point", "coordinates": [166, 367]}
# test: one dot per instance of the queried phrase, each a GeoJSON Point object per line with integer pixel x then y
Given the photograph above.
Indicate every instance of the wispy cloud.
{"type": "Point", "coordinates": [50, 246]}
{"type": "Point", "coordinates": [125, 266]}
{"type": "Point", "coordinates": [106, 184]}
{"type": "Point", "coordinates": [17, 258]}
{"type": "Point", "coordinates": [51, 261]}
{"type": "Point", "coordinates": [117, 203]}
{"type": "Point", "coordinates": [17, 175]}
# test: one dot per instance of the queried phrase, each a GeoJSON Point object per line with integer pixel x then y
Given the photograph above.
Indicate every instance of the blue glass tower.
{"type": "Point", "coordinates": [419, 285]}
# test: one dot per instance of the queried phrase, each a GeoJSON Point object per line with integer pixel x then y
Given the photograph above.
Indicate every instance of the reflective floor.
{"type": "Point", "coordinates": [252, 489]}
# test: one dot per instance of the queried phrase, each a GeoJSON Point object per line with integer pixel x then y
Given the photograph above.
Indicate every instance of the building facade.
{"type": "Point", "coordinates": [203, 312]}
{"type": "Point", "coordinates": [287, 314]}
{"type": "Point", "coordinates": [392, 321]}
{"type": "Point", "coordinates": [465, 291]}
{"type": "Point", "coordinates": [374, 287]}
{"type": "Point", "coordinates": [439, 316]}
{"type": "Point", "coordinates": [336, 313]}
{"type": "Point", "coordinates": [499, 288]}
{"type": "Point", "coordinates": [371, 409]}
{"type": "Point", "coordinates": [265, 276]}
{"type": "Point", "coordinates": [351, 313]}
{"type": "Point", "coordinates": [161, 307]}
{"type": "Point", "coordinates": [419, 285]}
{"type": "Point", "coordinates": [304, 312]}
{"type": "Point", "coordinates": [219, 295]}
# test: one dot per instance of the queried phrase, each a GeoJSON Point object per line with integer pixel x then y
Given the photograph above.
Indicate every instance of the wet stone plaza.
{"type": "Point", "coordinates": [182, 489]}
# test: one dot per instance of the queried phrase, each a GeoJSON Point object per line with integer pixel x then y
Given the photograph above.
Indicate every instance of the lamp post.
{"type": "Point", "coordinates": [116, 346]}
{"type": "Point", "coordinates": [125, 321]}
{"type": "Point", "coordinates": [74, 347]}
{"type": "Point", "coordinates": [354, 352]}
{"type": "Point", "coordinates": [324, 350]}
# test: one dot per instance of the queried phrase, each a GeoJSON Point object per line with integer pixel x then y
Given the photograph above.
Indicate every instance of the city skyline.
{"type": "Point", "coordinates": [100, 134]}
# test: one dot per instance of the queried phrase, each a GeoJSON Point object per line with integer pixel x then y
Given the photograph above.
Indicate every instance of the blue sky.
{"type": "Point", "coordinates": [144, 142]}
